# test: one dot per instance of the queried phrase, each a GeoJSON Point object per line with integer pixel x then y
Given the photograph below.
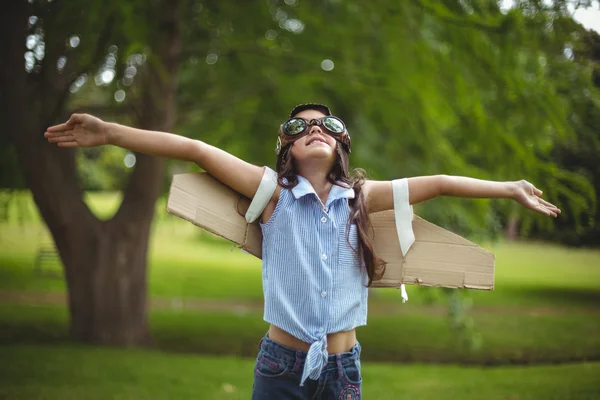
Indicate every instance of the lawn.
{"type": "Point", "coordinates": [408, 337]}
{"type": "Point", "coordinates": [76, 372]}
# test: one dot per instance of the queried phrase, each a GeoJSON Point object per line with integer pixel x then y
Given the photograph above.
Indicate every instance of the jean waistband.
{"type": "Point", "coordinates": [295, 360]}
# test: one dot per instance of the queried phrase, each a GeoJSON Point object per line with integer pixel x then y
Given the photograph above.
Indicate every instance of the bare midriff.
{"type": "Point", "coordinates": [339, 342]}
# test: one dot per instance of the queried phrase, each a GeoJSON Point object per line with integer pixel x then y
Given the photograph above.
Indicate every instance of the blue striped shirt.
{"type": "Point", "coordinates": [313, 282]}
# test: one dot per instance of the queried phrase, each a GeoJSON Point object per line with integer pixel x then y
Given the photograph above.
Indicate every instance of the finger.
{"type": "Point", "coordinates": [58, 134]}
{"type": "Point", "coordinates": [544, 210]}
{"type": "Point", "coordinates": [75, 119]}
{"type": "Point", "coordinates": [59, 128]}
{"type": "Point", "coordinates": [547, 203]}
{"type": "Point", "coordinates": [68, 144]}
{"type": "Point", "coordinates": [550, 206]}
{"type": "Point", "coordinates": [61, 139]}
{"type": "Point", "coordinates": [552, 213]}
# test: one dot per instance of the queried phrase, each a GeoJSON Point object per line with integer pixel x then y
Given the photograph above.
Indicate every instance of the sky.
{"type": "Point", "coordinates": [589, 17]}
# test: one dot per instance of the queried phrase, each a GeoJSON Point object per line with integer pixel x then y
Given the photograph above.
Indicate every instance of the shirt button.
{"type": "Point", "coordinates": [323, 220]}
{"type": "Point", "coordinates": [323, 294]}
{"type": "Point", "coordinates": [326, 209]}
{"type": "Point", "coordinates": [323, 256]}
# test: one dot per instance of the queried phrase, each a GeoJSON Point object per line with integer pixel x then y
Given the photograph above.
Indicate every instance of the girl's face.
{"type": "Point", "coordinates": [316, 144]}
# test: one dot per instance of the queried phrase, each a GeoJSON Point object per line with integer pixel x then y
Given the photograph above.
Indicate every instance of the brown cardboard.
{"type": "Point", "coordinates": [437, 257]}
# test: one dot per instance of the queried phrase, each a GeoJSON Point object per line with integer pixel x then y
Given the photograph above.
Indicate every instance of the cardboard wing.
{"type": "Point", "coordinates": [437, 257]}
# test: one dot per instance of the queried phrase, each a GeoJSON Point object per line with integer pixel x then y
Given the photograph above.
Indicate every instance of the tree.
{"type": "Point", "coordinates": [580, 77]}
{"type": "Point", "coordinates": [426, 87]}
{"type": "Point", "coordinates": [104, 262]}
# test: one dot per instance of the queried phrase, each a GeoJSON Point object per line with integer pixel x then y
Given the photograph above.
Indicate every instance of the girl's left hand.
{"type": "Point", "coordinates": [528, 195]}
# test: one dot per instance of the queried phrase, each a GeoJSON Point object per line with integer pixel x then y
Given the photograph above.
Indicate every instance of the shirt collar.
{"type": "Point", "coordinates": [338, 191]}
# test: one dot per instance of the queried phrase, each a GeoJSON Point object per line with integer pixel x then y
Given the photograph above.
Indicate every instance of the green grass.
{"type": "Point", "coordinates": [77, 372]}
{"type": "Point", "coordinates": [413, 336]}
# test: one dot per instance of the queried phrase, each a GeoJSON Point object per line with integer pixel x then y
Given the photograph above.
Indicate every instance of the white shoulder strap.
{"type": "Point", "coordinates": [403, 213]}
{"type": "Point", "coordinates": [263, 195]}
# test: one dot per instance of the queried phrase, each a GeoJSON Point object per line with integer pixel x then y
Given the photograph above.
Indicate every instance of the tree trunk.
{"type": "Point", "coordinates": [511, 230]}
{"type": "Point", "coordinates": [105, 268]}
{"type": "Point", "coordinates": [104, 261]}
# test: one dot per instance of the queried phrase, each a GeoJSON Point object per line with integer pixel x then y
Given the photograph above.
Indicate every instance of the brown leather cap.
{"type": "Point", "coordinates": [310, 106]}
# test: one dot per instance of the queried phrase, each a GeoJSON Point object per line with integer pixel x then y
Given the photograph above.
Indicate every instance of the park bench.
{"type": "Point", "coordinates": [47, 261]}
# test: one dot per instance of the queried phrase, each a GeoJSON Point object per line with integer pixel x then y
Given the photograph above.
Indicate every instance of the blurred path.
{"type": "Point", "coordinates": [230, 305]}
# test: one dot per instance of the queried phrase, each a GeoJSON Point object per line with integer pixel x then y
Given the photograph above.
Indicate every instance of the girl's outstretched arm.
{"type": "Point", "coordinates": [379, 193]}
{"type": "Point", "coordinates": [83, 130]}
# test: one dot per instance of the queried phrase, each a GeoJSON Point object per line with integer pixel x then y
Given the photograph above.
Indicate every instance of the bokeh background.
{"type": "Point", "coordinates": [103, 295]}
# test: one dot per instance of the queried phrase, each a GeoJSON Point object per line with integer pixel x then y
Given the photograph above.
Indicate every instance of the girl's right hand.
{"type": "Point", "coordinates": [81, 130]}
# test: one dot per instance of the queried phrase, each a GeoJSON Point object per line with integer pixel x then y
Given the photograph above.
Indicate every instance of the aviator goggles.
{"type": "Point", "coordinates": [295, 128]}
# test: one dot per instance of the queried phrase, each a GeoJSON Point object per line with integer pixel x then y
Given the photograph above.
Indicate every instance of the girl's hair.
{"type": "Point", "coordinates": [287, 178]}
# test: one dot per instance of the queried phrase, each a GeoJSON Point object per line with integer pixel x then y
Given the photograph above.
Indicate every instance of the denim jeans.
{"type": "Point", "coordinates": [278, 371]}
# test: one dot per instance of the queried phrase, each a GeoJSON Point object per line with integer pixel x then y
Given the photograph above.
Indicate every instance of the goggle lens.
{"type": "Point", "coordinates": [294, 126]}
{"type": "Point", "coordinates": [333, 125]}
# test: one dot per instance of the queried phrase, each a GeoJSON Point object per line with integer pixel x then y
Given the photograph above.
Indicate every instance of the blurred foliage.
{"type": "Point", "coordinates": [580, 153]}
{"type": "Point", "coordinates": [450, 87]}
{"type": "Point", "coordinates": [426, 87]}
{"type": "Point", "coordinates": [102, 168]}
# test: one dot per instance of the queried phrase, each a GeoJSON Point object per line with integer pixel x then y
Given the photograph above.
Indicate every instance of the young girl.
{"type": "Point", "coordinates": [317, 257]}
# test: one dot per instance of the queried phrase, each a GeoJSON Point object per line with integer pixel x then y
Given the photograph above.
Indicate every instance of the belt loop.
{"type": "Point", "coordinates": [298, 362]}
{"type": "Point", "coordinates": [340, 370]}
